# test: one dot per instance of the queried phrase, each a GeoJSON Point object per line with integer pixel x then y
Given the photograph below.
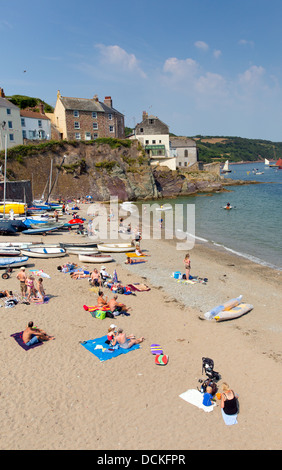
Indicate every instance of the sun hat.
{"type": "Point", "coordinates": [23, 268]}
{"type": "Point", "coordinates": [113, 326]}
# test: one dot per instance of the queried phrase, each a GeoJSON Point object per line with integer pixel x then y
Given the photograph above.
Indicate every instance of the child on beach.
{"type": "Point", "coordinates": [111, 333]}
{"type": "Point", "coordinates": [30, 287]}
{"type": "Point", "coordinates": [187, 264]}
{"type": "Point", "coordinates": [207, 398]}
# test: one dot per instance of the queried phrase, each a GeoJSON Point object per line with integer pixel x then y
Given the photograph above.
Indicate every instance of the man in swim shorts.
{"type": "Point", "coordinates": [21, 276]}
{"type": "Point", "coordinates": [33, 335]}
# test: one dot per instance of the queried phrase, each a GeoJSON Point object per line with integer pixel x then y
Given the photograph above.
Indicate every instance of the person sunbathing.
{"type": "Point", "coordinates": [95, 278]}
{"type": "Point", "coordinates": [33, 335]}
{"type": "Point", "coordinates": [125, 341]}
{"type": "Point", "coordinates": [101, 302]}
{"type": "Point", "coordinates": [6, 293]}
{"type": "Point", "coordinates": [80, 274]}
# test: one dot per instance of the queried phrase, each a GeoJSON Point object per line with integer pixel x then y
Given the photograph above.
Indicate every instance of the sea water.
{"type": "Point", "coordinates": [253, 227]}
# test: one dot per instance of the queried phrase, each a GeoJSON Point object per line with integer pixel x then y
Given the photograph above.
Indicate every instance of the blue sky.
{"type": "Point", "coordinates": [210, 67]}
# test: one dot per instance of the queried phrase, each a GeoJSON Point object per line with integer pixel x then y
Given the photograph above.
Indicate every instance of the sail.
{"type": "Point", "coordinates": [226, 166]}
{"type": "Point", "coordinates": [266, 162]}
{"type": "Point", "coordinates": [279, 163]}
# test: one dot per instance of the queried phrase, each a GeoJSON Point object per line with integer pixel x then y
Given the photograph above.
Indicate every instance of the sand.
{"type": "Point", "coordinates": [60, 396]}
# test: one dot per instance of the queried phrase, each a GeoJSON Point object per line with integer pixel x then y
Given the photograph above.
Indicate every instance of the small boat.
{"type": "Point", "coordinates": [164, 208]}
{"type": "Point", "coordinates": [228, 208]}
{"type": "Point", "coordinates": [17, 207]}
{"type": "Point", "coordinates": [5, 262]}
{"type": "Point", "coordinates": [76, 221]}
{"type": "Point", "coordinates": [42, 252]}
{"type": "Point", "coordinates": [115, 247]}
{"type": "Point", "coordinates": [76, 245]}
{"type": "Point", "coordinates": [234, 312]}
{"type": "Point", "coordinates": [81, 251]}
{"type": "Point", "coordinates": [266, 162]}
{"type": "Point", "coordinates": [37, 231]}
{"type": "Point", "coordinates": [279, 164]}
{"type": "Point", "coordinates": [9, 252]}
{"type": "Point", "coordinates": [225, 168]}
{"type": "Point", "coordinates": [95, 258]}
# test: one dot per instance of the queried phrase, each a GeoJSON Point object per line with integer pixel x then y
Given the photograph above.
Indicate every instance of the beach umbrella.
{"type": "Point", "coordinates": [115, 278]}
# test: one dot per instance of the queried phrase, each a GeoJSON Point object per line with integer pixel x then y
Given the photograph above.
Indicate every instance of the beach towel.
{"type": "Point", "coordinates": [104, 351]}
{"type": "Point", "coordinates": [229, 419]}
{"type": "Point", "coordinates": [195, 397]}
{"type": "Point", "coordinates": [40, 273]}
{"type": "Point", "coordinates": [139, 287]}
{"type": "Point", "coordinates": [18, 337]}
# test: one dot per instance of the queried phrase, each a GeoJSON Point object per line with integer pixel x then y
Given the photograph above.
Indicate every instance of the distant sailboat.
{"type": "Point", "coordinates": [279, 164]}
{"type": "Point", "coordinates": [225, 168]}
{"type": "Point", "coordinates": [266, 162]}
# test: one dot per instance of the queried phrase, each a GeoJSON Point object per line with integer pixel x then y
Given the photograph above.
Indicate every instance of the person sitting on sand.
{"type": "Point", "coordinates": [117, 307]}
{"type": "Point", "coordinates": [40, 294]}
{"type": "Point", "coordinates": [101, 302]}
{"type": "Point", "coordinates": [138, 251]}
{"type": "Point", "coordinates": [95, 278]}
{"type": "Point", "coordinates": [111, 333]}
{"type": "Point", "coordinates": [125, 341]}
{"type": "Point", "coordinates": [33, 335]}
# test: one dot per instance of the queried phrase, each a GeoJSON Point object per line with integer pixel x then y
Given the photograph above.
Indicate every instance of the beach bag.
{"type": "Point", "coordinates": [100, 314]}
{"type": "Point", "coordinates": [177, 275]}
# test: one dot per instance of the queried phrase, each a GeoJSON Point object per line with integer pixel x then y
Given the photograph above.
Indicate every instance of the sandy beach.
{"type": "Point", "coordinates": [59, 396]}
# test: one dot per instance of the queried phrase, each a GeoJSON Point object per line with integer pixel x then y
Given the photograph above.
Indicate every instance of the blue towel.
{"type": "Point", "coordinates": [105, 351]}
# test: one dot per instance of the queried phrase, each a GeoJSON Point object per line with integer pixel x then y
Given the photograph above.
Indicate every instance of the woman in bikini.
{"type": "Point", "coordinates": [187, 264]}
{"type": "Point", "coordinates": [30, 287]}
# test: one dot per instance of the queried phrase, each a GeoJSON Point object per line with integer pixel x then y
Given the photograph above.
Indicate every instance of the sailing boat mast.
{"type": "Point", "coordinates": [51, 187]}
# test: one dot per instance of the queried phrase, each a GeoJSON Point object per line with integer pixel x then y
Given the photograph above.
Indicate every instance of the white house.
{"type": "Point", "coordinates": [153, 134]}
{"type": "Point", "coordinates": [10, 123]}
{"type": "Point", "coordinates": [35, 126]}
{"type": "Point", "coordinates": [184, 150]}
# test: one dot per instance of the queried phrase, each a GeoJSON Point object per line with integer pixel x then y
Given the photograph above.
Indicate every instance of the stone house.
{"type": "Point", "coordinates": [185, 151]}
{"type": "Point", "coordinates": [10, 123]}
{"type": "Point", "coordinates": [86, 119]}
{"type": "Point", "coordinates": [153, 134]}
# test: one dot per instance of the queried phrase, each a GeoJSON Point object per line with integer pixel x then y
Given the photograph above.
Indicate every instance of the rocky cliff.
{"type": "Point", "coordinates": [102, 169]}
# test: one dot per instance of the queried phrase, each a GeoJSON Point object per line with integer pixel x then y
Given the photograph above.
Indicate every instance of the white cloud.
{"type": "Point", "coordinates": [252, 76]}
{"type": "Point", "coordinates": [211, 84]}
{"type": "Point", "coordinates": [217, 53]}
{"type": "Point", "coordinates": [201, 45]}
{"type": "Point", "coordinates": [115, 55]}
{"type": "Point", "coordinates": [180, 68]}
{"type": "Point", "coordinates": [244, 42]}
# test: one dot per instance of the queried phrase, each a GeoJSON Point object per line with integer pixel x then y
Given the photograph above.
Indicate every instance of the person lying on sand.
{"type": "Point", "coordinates": [5, 293]}
{"type": "Point", "coordinates": [80, 275]}
{"type": "Point", "coordinates": [125, 341]}
{"type": "Point", "coordinates": [33, 335]}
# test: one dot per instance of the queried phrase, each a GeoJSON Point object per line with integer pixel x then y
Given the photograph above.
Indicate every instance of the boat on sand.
{"type": "Point", "coordinates": [42, 252]}
{"type": "Point", "coordinates": [95, 258]}
{"type": "Point", "coordinates": [115, 247]}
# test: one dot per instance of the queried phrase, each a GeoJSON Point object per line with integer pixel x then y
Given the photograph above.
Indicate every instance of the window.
{"type": "Point", "coordinates": [24, 134]}
{"type": "Point", "coordinates": [110, 116]}
{"type": "Point", "coordinates": [76, 113]}
{"type": "Point", "coordinates": [95, 125]}
{"type": "Point", "coordinates": [141, 129]}
{"type": "Point", "coordinates": [151, 121]}
{"type": "Point", "coordinates": [94, 115]}
{"type": "Point", "coordinates": [76, 125]}
{"type": "Point", "coordinates": [77, 135]}
{"type": "Point", "coordinates": [23, 122]}
{"type": "Point", "coordinates": [10, 124]}
{"type": "Point", "coordinates": [11, 137]}
{"type": "Point", "coordinates": [146, 142]}
{"type": "Point", "coordinates": [179, 164]}
{"type": "Point", "coordinates": [39, 123]}
{"type": "Point", "coordinates": [31, 134]}
{"type": "Point", "coordinates": [186, 153]}
{"type": "Point", "coordinates": [95, 136]}
{"type": "Point", "coordinates": [160, 141]}
{"type": "Point", "coordinates": [112, 129]}
{"type": "Point", "coordinates": [185, 163]}
{"type": "Point", "coordinates": [8, 111]}
{"type": "Point", "coordinates": [153, 141]}
{"type": "Point", "coordinates": [87, 136]}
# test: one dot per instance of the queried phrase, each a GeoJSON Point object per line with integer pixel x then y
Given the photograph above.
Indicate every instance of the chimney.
{"type": "Point", "coordinates": [95, 98]}
{"type": "Point", "coordinates": [2, 94]}
{"type": "Point", "coordinates": [41, 108]}
{"type": "Point", "coordinates": [108, 101]}
{"type": "Point", "coordinates": [145, 115]}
